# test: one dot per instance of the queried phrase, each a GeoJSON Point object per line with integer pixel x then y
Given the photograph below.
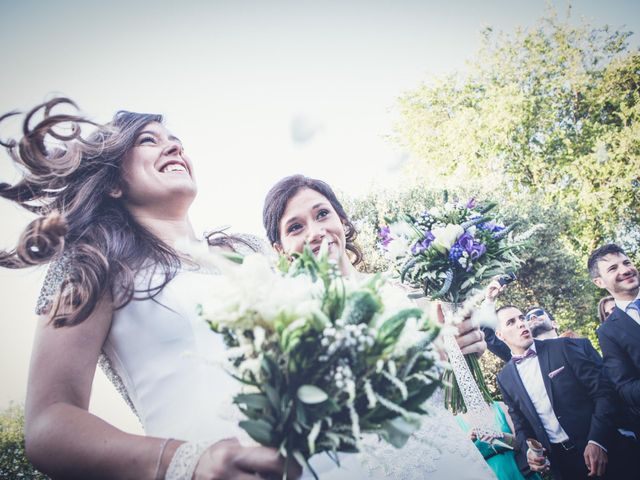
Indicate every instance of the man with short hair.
{"type": "Point", "coordinates": [611, 269]}
{"type": "Point", "coordinates": [541, 323]}
{"type": "Point", "coordinates": [556, 395]}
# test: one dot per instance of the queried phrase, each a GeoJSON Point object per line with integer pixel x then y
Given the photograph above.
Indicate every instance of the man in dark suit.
{"type": "Point", "coordinates": [556, 395]}
{"type": "Point", "coordinates": [619, 335]}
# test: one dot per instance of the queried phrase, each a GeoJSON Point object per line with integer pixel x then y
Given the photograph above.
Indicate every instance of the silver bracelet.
{"type": "Point", "coordinates": [162, 449]}
{"type": "Point", "coordinates": [185, 460]}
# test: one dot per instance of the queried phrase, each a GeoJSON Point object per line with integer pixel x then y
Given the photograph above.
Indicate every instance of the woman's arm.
{"type": "Point", "coordinates": [65, 441]}
{"type": "Point", "coordinates": [62, 438]}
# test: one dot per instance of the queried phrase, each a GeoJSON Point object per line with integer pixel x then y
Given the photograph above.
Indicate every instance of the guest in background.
{"type": "Point", "coordinates": [556, 394]}
{"type": "Point", "coordinates": [502, 460]}
{"type": "Point", "coordinates": [605, 307]}
{"type": "Point", "coordinates": [611, 269]}
{"type": "Point", "coordinates": [541, 324]}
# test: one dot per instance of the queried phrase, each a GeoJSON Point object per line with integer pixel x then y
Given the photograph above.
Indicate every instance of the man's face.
{"type": "Point", "coordinates": [618, 275]}
{"type": "Point", "coordinates": [513, 331]}
{"type": "Point", "coordinates": [538, 322]}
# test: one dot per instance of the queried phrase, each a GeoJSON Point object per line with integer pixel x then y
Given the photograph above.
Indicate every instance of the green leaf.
{"type": "Point", "coordinates": [260, 430]}
{"type": "Point", "coordinates": [272, 395]}
{"type": "Point", "coordinates": [398, 430]}
{"type": "Point", "coordinates": [391, 329]}
{"type": "Point", "coordinates": [361, 306]}
{"type": "Point", "coordinates": [253, 400]}
{"type": "Point", "coordinates": [233, 256]}
{"type": "Point", "coordinates": [311, 395]}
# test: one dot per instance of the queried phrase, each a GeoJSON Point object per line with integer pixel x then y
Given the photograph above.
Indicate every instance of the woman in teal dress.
{"type": "Point", "coordinates": [501, 459]}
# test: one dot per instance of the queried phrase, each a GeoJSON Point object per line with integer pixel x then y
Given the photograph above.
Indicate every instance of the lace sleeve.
{"type": "Point", "coordinates": [246, 243]}
{"type": "Point", "coordinates": [58, 269]}
{"type": "Point", "coordinates": [243, 243]}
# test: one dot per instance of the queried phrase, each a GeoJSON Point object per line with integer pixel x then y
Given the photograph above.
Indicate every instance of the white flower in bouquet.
{"type": "Point", "coordinates": [401, 235]}
{"type": "Point", "coordinates": [257, 295]}
{"type": "Point", "coordinates": [393, 300]}
{"type": "Point", "coordinates": [411, 334]}
{"type": "Point", "coordinates": [326, 358]}
{"type": "Point", "coordinates": [446, 236]}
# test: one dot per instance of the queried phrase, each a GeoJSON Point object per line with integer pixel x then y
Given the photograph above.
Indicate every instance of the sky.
{"type": "Point", "coordinates": [256, 90]}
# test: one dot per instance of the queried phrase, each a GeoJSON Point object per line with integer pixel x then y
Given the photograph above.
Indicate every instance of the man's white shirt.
{"type": "Point", "coordinates": [632, 312]}
{"type": "Point", "coordinates": [529, 371]}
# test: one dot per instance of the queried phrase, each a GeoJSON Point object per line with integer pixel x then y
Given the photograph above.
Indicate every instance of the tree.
{"type": "Point", "coordinates": [551, 274]}
{"type": "Point", "coordinates": [551, 112]}
{"type": "Point", "coordinates": [13, 462]}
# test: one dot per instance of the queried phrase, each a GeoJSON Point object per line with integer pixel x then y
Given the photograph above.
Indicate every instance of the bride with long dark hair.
{"type": "Point", "coordinates": [110, 207]}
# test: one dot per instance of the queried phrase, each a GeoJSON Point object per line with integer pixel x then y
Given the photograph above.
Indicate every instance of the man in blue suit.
{"type": "Point", "coordinates": [556, 395]}
{"type": "Point", "coordinates": [619, 336]}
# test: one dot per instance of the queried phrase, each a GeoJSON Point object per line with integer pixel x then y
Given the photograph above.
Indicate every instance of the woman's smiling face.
{"type": "Point", "coordinates": [156, 168]}
{"type": "Point", "coordinates": [310, 218]}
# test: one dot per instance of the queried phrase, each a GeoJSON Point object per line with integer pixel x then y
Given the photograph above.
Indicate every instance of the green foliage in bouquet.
{"type": "Point", "coordinates": [333, 359]}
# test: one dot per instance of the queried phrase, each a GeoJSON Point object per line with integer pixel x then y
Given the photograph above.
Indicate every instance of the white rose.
{"type": "Point", "coordinates": [401, 229]}
{"type": "Point", "coordinates": [398, 247]}
{"type": "Point", "coordinates": [446, 236]}
{"type": "Point", "coordinates": [402, 235]}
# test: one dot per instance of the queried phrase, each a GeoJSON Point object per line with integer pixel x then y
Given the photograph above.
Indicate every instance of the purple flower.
{"type": "Point", "coordinates": [466, 241]}
{"type": "Point", "coordinates": [471, 203]}
{"type": "Point", "coordinates": [477, 250]}
{"type": "Point", "coordinates": [422, 245]}
{"type": "Point", "coordinates": [385, 236]}
{"type": "Point", "coordinates": [492, 226]}
{"type": "Point", "coordinates": [469, 244]}
{"type": "Point", "coordinates": [455, 253]}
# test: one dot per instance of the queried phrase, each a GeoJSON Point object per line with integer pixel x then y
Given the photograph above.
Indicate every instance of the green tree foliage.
{"type": "Point", "coordinates": [551, 275]}
{"type": "Point", "coordinates": [13, 462]}
{"type": "Point", "coordinates": [551, 112]}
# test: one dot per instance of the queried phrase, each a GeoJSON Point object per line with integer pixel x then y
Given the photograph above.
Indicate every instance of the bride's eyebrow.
{"type": "Point", "coordinates": [173, 138]}
{"type": "Point", "coordinates": [291, 220]}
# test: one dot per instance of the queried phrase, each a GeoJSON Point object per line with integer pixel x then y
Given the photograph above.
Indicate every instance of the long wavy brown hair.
{"type": "Point", "coordinates": [276, 201]}
{"type": "Point", "coordinates": [67, 181]}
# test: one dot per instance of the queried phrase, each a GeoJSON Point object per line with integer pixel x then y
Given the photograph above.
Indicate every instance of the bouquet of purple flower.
{"type": "Point", "coordinates": [448, 253]}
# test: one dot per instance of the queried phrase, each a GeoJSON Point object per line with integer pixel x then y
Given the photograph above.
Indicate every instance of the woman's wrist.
{"type": "Point", "coordinates": [184, 460]}
{"type": "Point", "coordinates": [165, 455]}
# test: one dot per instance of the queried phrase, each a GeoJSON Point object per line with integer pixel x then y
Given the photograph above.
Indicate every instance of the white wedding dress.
{"type": "Point", "coordinates": [166, 362]}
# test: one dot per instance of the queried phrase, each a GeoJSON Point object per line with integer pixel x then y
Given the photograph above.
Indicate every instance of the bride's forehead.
{"type": "Point", "coordinates": [155, 127]}
{"type": "Point", "coordinates": [304, 201]}
{"type": "Point", "coordinates": [306, 198]}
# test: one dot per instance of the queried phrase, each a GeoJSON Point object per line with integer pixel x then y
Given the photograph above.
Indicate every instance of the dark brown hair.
{"type": "Point", "coordinates": [598, 254]}
{"type": "Point", "coordinates": [276, 203]}
{"type": "Point", "coordinates": [68, 185]}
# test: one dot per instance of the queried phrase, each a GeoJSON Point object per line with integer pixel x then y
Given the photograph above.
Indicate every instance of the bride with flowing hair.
{"type": "Point", "coordinates": [110, 207]}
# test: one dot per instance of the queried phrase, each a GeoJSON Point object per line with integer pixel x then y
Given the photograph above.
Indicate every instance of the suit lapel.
{"type": "Point", "coordinates": [521, 390]}
{"type": "Point", "coordinates": [544, 359]}
{"type": "Point", "coordinates": [624, 322]}
{"type": "Point", "coordinates": [522, 394]}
